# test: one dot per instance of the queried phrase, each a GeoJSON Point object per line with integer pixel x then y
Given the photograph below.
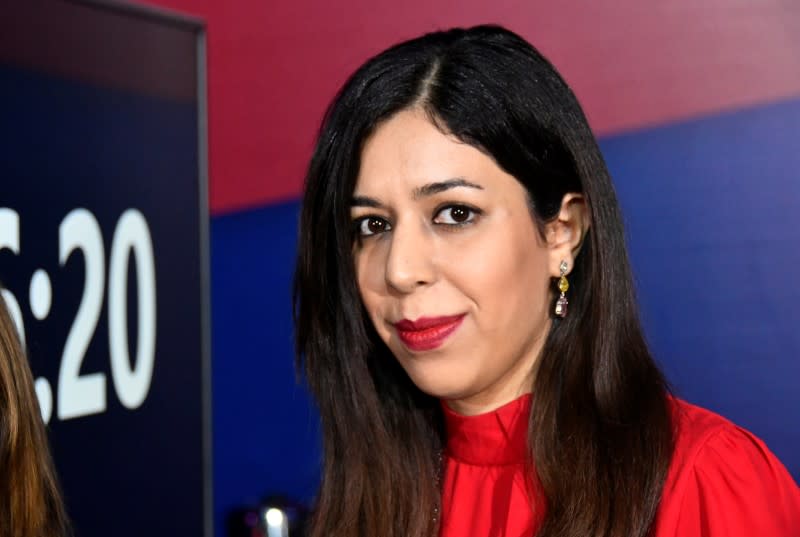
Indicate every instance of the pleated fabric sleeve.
{"type": "Point", "coordinates": [724, 481]}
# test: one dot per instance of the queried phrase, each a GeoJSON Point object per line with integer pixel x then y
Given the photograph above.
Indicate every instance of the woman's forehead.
{"type": "Point", "coordinates": [409, 152]}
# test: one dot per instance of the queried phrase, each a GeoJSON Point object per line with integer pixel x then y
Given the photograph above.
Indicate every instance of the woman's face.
{"type": "Point", "coordinates": [451, 268]}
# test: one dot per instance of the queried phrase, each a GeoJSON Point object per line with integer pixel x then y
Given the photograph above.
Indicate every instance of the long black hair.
{"type": "Point", "coordinates": [600, 431]}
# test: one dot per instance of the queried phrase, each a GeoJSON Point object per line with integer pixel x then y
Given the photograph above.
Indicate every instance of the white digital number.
{"type": "Point", "coordinates": [82, 395]}
{"type": "Point", "coordinates": [9, 239]}
{"type": "Point", "coordinates": [132, 236]}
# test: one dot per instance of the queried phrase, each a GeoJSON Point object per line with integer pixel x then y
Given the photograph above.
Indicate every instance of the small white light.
{"type": "Point", "coordinates": [274, 518]}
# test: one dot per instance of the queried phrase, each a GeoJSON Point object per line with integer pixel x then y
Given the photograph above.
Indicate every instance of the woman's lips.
{"type": "Point", "coordinates": [427, 333]}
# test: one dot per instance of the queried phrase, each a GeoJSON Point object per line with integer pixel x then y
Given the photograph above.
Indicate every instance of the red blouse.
{"type": "Point", "coordinates": [722, 480]}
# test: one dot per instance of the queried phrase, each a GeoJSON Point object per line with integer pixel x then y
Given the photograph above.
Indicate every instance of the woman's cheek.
{"type": "Point", "coordinates": [369, 273]}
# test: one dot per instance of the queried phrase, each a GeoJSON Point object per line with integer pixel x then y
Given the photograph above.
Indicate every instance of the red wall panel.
{"type": "Point", "coordinates": [273, 67]}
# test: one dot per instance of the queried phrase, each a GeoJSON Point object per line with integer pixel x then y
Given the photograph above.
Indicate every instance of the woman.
{"type": "Point", "coordinates": [466, 320]}
{"type": "Point", "coordinates": [30, 502]}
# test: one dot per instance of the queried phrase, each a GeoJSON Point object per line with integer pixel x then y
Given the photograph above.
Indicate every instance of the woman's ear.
{"type": "Point", "coordinates": [566, 232]}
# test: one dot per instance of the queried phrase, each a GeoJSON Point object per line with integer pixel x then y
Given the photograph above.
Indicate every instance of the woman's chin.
{"type": "Point", "coordinates": [442, 386]}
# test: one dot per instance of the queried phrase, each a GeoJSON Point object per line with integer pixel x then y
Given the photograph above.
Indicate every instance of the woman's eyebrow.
{"type": "Point", "coordinates": [365, 201]}
{"type": "Point", "coordinates": [420, 192]}
{"type": "Point", "coordinates": [434, 188]}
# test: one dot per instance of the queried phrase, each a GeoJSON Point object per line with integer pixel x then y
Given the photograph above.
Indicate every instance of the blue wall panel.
{"type": "Point", "coordinates": [713, 213]}
{"type": "Point", "coordinates": [265, 429]}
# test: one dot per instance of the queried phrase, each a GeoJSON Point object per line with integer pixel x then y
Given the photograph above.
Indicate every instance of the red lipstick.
{"type": "Point", "coordinates": [427, 333]}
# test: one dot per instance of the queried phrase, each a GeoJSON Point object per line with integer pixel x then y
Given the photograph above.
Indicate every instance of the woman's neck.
{"type": "Point", "coordinates": [517, 384]}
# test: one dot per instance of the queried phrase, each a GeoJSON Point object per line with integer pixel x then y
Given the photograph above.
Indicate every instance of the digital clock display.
{"type": "Point", "coordinates": [80, 232]}
{"type": "Point", "coordinates": [103, 232]}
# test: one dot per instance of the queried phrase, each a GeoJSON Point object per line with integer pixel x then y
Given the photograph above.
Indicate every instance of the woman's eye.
{"type": "Point", "coordinates": [371, 225]}
{"type": "Point", "coordinates": [455, 215]}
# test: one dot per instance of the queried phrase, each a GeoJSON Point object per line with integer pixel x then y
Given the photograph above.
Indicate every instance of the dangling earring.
{"type": "Point", "coordinates": [563, 286]}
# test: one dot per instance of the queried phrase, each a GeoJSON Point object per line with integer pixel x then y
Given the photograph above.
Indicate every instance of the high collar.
{"type": "Point", "coordinates": [495, 438]}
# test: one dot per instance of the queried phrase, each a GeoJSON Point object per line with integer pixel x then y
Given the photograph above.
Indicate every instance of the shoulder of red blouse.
{"type": "Point", "coordinates": [724, 481]}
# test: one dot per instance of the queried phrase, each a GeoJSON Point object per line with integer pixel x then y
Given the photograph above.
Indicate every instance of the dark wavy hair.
{"type": "Point", "coordinates": [600, 433]}
{"type": "Point", "coordinates": [30, 498]}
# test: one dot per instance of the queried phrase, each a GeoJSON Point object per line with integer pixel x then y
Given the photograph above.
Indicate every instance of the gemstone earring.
{"type": "Point", "coordinates": [563, 286]}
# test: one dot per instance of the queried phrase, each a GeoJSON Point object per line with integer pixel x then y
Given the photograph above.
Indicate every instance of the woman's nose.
{"type": "Point", "coordinates": [410, 263]}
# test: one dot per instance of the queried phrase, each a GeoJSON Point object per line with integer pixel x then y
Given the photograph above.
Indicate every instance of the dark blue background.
{"type": "Point", "coordinates": [67, 145]}
{"type": "Point", "coordinates": [713, 210]}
